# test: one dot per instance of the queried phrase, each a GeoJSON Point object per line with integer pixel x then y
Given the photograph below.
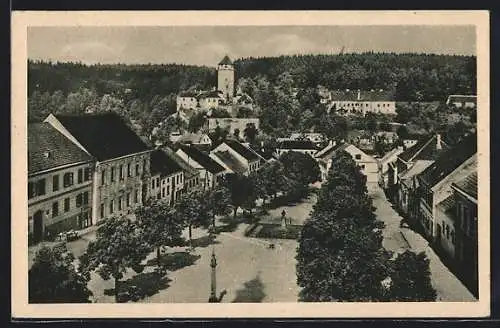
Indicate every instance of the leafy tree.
{"type": "Point", "coordinates": [197, 121]}
{"type": "Point", "coordinates": [236, 134]}
{"type": "Point", "coordinates": [118, 246]}
{"type": "Point", "coordinates": [240, 188]}
{"type": "Point", "coordinates": [250, 132]}
{"type": "Point", "coordinates": [402, 132]}
{"type": "Point", "coordinates": [54, 279]}
{"type": "Point", "coordinates": [219, 112]}
{"type": "Point", "coordinates": [218, 201]}
{"type": "Point", "coordinates": [410, 279]}
{"type": "Point", "coordinates": [160, 226]}
{"type": "Point", "coordinates": [192, 209]}
{"type": "Point", "coordinates": [218, 134]}
{"type": "Point", "coordinates": [371, 122]}
{"type": "Point", "coordinates": [244, 112]}
{"type": "Point", "coordinates": [300, 167]}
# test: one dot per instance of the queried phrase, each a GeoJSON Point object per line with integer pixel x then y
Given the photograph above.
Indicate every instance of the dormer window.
{"type": "Point", "coordinates": [47, 154]}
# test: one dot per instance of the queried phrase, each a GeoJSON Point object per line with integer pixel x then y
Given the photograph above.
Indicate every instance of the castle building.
{"type": "Point", "coordinates": [225, 78]}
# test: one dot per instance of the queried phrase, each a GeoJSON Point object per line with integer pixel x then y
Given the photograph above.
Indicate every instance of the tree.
{"type": "Point", "coordinates": [244, 112]}
{"type": "Point", "coordinates": [410, 279]}
{"type": "Point", "coordinates": [240, 188]}
{"type": "Point", "coordinates": [219, 113]}
{"type": "Point", "coordinates": [300, 167]}
{"type": "Point", "coordinates": [192, 209]}
{"type": "Point", "coordinates": [160, 226]}
{"type": "Point", "coordinates": [250, 132]}
{"type": "Point", "coordinates": [54, 279]}
{"type": "Point", "coordinates": [402, 132]}
{"type": "Point", "coordinates": [197, 121]}
{"type": "Point", "coordinates": [236, 133]}
{"type": "Point", "coordinates": [118, 246]}
{"type": "Point", "coordinates": [218, 202]}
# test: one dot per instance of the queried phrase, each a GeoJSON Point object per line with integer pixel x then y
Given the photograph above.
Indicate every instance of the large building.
{"type": "Point", "coordinates": [122, 160]}
{"type": "Point", "coordinates": [362, 102]}
{"type": "Point", "coordinates": [59, 183]}
{"type": "Point", "coordinates": [225, 78]}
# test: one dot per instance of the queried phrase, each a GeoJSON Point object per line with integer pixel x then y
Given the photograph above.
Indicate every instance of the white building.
{"type": "Point", "coordinates": [362, 102]}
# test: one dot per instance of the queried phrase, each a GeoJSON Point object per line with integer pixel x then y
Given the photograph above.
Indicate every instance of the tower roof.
{"type": "Point", "coordinates": [226, 61]}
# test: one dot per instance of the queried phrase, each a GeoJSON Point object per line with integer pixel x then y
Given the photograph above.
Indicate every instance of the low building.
{"type": "Point", "coordinates": [167, 177]}
{"type": "Point", "coordinates": [191, 176]}
{"type": "Point", "coordinates": [435, 182]}
{"type": "Point", "coordinates": [362, 102]}
{"type": "Point", "coordinates": [234, 152]}
{"type": "Point", "coordinates": [301, 146]}
{"type": "Point", "coordinates": [187, 100]}
{"type": "Point", "coordinates": [210, 99]}
{"type": "Point", "coordinates": [210, 172]}
{"type": "Point", "coordinates": [466, 235]}
{"type": "Point", "coordinates": [231, 124]}
{"type": "Point", "coordinates": [200, 139]}
{"type": "Point", "coordinates": [462, 101]}
{"type": "Point", "coordinates": [384, 165]}
{"type": "Point", "coordinates": [59, 183]}
{"type": "Point", "coordinates": [408, 192]}
{"type": "Point", "coordinates": [314, 137]}
{"type": "Point", "coordinates": [122, 160]}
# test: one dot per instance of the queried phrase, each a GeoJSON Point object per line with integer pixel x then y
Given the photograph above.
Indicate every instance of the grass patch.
{"type": "Point", "coordinates": [275, 231]}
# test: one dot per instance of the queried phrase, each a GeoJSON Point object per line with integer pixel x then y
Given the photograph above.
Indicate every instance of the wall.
{"type": "Point", "coordinates": [127, 191]}
{"type": "Point", "coordinates": [448, 236]}
{"type": "Point", "coordinates": [44, 202]}
{"type": "Point", "coordinates": [167, 187]}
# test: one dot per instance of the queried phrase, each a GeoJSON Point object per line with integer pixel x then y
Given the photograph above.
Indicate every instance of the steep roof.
{"type": "Point", "coordinates": [468, 185]}
{"type": "Point", "coordinates": [425, 148]}
{"type": "Point", "coordinates": [242, 150]}
{"type": "Point", "coordinates": [362, 95]}
{"type": "Point", "coordinates": [394, 152]}
{"type": "Point", "coordinates": [297, 144]}
{"type": "Point", "coordinates": [49, 149]}
{"type": "Point", "coordinates": [189, 171]}
{"type": "Point", "coordinates": [105, 135]}
{"type": "Point", "coordinates": [417, 168]}
{"type": "Point", "coordinates": [162, 163]}
{"type": "Point", "coordinates": [330, 150]}
{"type": "Point", "coordinates": [202, 159]}
{"type": "Point", "coordinates": [449, 160]}
{"type": "Point", "coordinates": [226, 61]}
{"type": "Point", "coordinates": [231, 161]}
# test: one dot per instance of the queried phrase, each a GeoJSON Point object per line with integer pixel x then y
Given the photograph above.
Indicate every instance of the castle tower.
{"type": "Point", "coordinates": [225, 78]}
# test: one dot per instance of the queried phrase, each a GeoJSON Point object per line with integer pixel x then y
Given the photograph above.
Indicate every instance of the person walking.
{"type": "Point", "coordinates": [283, 217]}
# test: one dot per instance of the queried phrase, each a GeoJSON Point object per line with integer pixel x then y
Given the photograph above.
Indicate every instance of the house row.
{"type": "Point", "coordinates": [361, 102]}
{"type": "Point", "coordinates": [434, 186]}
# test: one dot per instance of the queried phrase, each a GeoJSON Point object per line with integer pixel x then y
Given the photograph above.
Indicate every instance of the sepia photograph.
{"type": "Point", "coordinates": [317, 164]}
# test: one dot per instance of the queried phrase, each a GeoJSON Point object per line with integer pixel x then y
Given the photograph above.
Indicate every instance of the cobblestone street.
{"type": "Point", "coordinates": [449, 288]}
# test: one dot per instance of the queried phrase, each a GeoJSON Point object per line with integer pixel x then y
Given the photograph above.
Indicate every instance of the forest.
{"type": "Point", "coordinates": [283, 88]}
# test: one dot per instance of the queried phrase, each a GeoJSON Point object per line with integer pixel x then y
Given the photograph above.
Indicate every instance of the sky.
{"type": "Point", "coordinates": [206, 45]}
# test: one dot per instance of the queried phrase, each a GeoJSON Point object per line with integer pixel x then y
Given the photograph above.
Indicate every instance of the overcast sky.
{"type": "Point", "coordinates": [207, 45]}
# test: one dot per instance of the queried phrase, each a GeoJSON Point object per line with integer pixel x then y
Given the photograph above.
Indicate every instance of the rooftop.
{"type": "Point", "coordinates": [202, 159]}
{"type": "Point", "coordinates": [231, 161]}
{"type": "Point", "coordinates": [104, 136]}
{"type": "Point", "coordinates": [226, 61]}
{"type": "Point", "coordinates": [297, 144]}
{"type": "Point", "coordinates": [417, 168]}
{"type": "Point", "coordinates": [163, 164]}
{"type": "Point", "coordinates": [468, 185]}
{"type": "Point", "coordinates": [189, 171]}
{"type": "Point", "coordinates": [425, 148]}
{"type": "Point", "coordinates": [49, 149]}
{"type": "Point", "coordinates": [362, 95]}
{"type": "Point", "coordinates": [242, 150]}
{"type": "Point", "coordinates": [461, 98]}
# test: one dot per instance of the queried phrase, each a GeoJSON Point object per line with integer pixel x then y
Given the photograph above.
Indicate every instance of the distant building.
{"type": "Point", "coordinates": [210, 172]}
{"type": "Point", "coordinates": [235, 155]}
{"type": "Point", "coordinates": [167, 177]}
{"type": "Point", "coordinates": [384, 164]}
{"type": "Point", "coordinates": [462, 101]}
{"type": "Point", "coordinates": [59, 183]}
{"type": "Point", "coordinates": [225, 78]}
{"type": "Point", "coordinates": [231, 124]}
{"type": "Point", "coordinates": [195, 139]}
{"type": "Point", "coordinates": [187, 100]}
{"type": "Point", "coordinates": [122, 160]}
{"type": "Point", "coordinates": [314, 137]}
{"type": "Point", "coordinates": [302, 146]}
{"type": "Point", "coordinates": [191, 175]}
{"type": "Point", "coordinates": [362, 102]}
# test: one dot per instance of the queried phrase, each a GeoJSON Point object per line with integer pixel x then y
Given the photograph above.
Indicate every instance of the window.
{"type": "Point", "coordinates": [137, 169]}
{"type": "Point", "coordinates": [129, 170]}
{"type": "Point", "coordinates": [40, 187]}
{"type": "Point", "coordinates": [68, 179]}
{"type": "Point", "coordinates": [120, 199]}
{"type": "Point", "coordinates": [103, 177]}
{"type": "Point", "coordinates": [362, 166]}
{"type": "Point", "coordinates": [447, 231]}
{"type": "Point", "coordinates": [128, 199]}
{"type": "Point", "coordinates": [80, 175]}
{"type": "Point", "coordinates": [136, 196]}
{"type": "Point", "coordinates": [66, 204]}
{"type": "Point", "coordinates": [31, 190]}
{"type": "Point", "coordinates": [102, 211]}
{"type": "Point", "coordinates": [357, 156]}
{"type": "Point", "coordinates": [112, 174]}
{"type": "Point", "coordinates": [121, 172]}
{"type": "Point", "coordinates": [86, 198]}
{"type": "Point", "coordinates": [55, 209]}
{"type": "Point", "coordinates": [144, 165]}
{"type": "Point", "coordinates": [153, 184]}
{"type": "Point", "coordinates": [55, 183]}
{"type": "Point", "coordinates": [79, 200]}
{"type": "Point", "coordinates": [157, 182]}
{"type": "Point", "coordinates": [162, 192]}
{"type": "Point", "coordinates": [111, 209]}
{"type": "Point", "coordinates": [87, 174]}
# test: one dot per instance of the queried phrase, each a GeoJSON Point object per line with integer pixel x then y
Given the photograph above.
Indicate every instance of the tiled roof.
{"type": "Point", "coordinates": [364, 95]}
{"type": "Point", "coordinates": [105, 136]}
{"type": "Point", "coordinates": [162, 163]}
{"type": "Point", "coordinates": [461, 98]}
{"type": "Point", "coordinates": [330, 150]}
{"type": "Point", "coordinates": [297, 144]}
{"type": "Point", "coordinates": [448, 204]}
{"type": "Point", "coordinates": [202, 159]}
{"type": "Point", "coordinates": [231, 161]}
{"type": "Point", "coordinates": [49, 149]}
{"type": "Point", "coordinates": [226, 61]}
{"type": "Point", "coordinates": [468, 185]}
{"type": "Point", "coordinates": [449, 160]}
{"type": "Point", "coordinates": [189, 171]}
{"type": "Point", "coordinates": [417, 168]}
{"type": "Point", "coordinates": [425, 148]}
{"type": "Point", "coordinates": [242, 150]}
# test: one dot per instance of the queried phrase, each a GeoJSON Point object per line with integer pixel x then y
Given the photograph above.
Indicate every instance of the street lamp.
{"type": "Point", "coordinates": [213, 264]}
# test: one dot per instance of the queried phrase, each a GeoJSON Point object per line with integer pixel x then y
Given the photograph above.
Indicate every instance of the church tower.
{"type": "Point", "coordinates": [225, 78]}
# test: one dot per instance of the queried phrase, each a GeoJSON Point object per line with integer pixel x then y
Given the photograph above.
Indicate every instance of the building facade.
{"type": "Point", "coordinates": [210, 172]}
{"type": "Point", "coordinates": [362, 102]}
{"type": "Point", "coordinates": [59, 184]}
{"type": "Point", "coordinates": [167, 178]}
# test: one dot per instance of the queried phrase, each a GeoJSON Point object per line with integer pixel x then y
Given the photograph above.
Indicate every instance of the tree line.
{"type": "Point", "coordinates": [340, 257]}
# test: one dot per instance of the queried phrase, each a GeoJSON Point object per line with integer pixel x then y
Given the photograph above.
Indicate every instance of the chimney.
{"type": "Point", "coordinates": [359, 94]}
{"type": "Point", "coordinates": [438, 142]}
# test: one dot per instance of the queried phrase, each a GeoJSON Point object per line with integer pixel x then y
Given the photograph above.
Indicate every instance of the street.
{"type": "Point", "coordinates": [449, 288]}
